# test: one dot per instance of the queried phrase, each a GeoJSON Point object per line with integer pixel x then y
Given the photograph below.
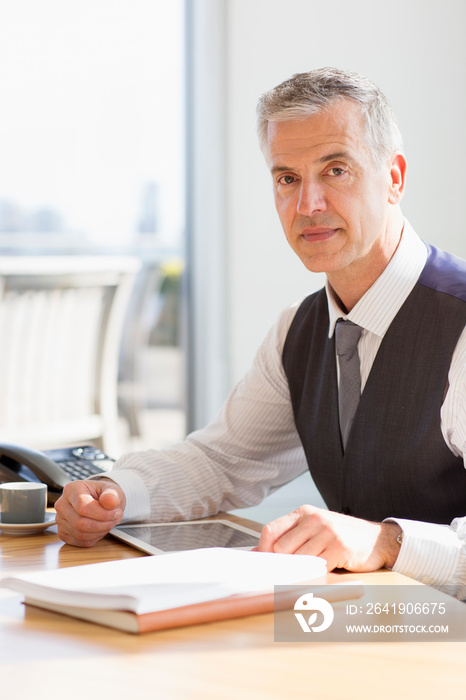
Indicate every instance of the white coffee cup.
{"type": "Point", "coordinates": [23, 502]}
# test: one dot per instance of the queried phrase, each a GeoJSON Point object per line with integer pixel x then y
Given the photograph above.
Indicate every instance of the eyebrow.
{"type": "Point", "coordinates": [337, 155]}
{"type": "Point", "coordinates": [279, 169]}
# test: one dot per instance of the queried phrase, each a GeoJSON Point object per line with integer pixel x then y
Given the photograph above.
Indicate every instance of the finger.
{"type": "Point", "coordinates": [109, 498]}
{"type": "Point", "coordinates": [318, 545]}
{"type": "Point", "coordinates": [332, 556]}
{"type": "Point", "coordinates": [79, 531]}
{"type": "Point", "coordinates": [77, 539]}
{"type": "Point", "coordinates": [304, 538]}
{"type": "Point", "coordinates": [74, 527]}
{"type": "Point", "coordinates": [71, 521]}
{"type": "Point", "coordinates": [86, 503]}
{"type": "Point", "coordinates": [274, 530]}
{"type": "Point", "coordinates": [81, 519]}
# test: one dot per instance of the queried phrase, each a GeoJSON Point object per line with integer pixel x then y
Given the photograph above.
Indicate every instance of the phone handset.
{"type": "Point", "coordinates": [19, 463]}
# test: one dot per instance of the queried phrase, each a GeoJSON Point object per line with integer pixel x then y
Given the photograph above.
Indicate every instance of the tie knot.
{"type": "Point", "coordinates": [347, 336]}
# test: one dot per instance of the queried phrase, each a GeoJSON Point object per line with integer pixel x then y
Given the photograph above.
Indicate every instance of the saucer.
{"type": "Point", "coordinates": [27, 528]}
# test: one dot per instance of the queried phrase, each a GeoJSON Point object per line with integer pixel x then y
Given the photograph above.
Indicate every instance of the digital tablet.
{"type": "Point", "coordinates": [159, 538]}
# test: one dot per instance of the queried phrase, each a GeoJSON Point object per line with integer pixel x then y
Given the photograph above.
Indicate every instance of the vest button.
{"type": "Point", "coordinates": [346, 511]}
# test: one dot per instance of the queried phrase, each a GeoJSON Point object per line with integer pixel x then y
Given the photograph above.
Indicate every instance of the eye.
{"type": "Point", "coordinates": [286, 179]}
{"type": "Point", "coordinates": [335, 171]}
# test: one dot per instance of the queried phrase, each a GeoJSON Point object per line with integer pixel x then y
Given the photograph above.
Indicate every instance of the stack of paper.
{"type": "Point", "coordinates": [170, 590]}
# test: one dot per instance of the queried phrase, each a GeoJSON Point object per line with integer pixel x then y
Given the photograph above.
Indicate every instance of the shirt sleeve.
{"type": "Point", "coordinates": [249, 450]}
{"type": "Point", "coordinates": [436, 554]}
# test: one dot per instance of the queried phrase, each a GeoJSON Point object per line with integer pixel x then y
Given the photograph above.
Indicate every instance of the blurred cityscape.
{"type": "Point", "coordinates": [15, 218]}
{"type": "Point", "coordinates": [23, 228]}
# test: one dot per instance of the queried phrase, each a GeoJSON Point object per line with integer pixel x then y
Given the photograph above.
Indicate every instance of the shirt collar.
{"type": "Point", "coordinates": [378, 307]}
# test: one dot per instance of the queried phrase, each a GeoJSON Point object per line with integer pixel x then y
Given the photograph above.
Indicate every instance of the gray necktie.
{"type": "Point", "coordinates": [347, 336]}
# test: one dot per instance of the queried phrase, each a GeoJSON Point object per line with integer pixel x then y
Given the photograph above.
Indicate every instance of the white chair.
{"type": "Point", "coordinates": [60, 330]}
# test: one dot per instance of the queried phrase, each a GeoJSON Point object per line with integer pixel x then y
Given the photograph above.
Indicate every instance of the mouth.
{"type": "Point", "coordinates": [318, 233]}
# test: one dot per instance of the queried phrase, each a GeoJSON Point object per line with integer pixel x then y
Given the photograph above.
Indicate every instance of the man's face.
{"type": "Point", "coordinates": [333, 202]}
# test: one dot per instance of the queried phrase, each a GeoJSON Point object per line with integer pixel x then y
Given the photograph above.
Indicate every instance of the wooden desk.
{"type": "Point", "coordinates": [43, 655]}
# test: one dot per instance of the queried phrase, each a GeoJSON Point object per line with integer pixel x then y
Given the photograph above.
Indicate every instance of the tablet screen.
{"type": "Point", "coordinates": [175, 537]}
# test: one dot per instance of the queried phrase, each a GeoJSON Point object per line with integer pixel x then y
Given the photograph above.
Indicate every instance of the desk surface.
{"type": "Point", "coordinates": [226, 660]}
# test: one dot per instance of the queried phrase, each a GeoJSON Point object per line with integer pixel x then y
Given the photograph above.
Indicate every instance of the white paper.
{"type": "Point", "coordinates": [167, 581]}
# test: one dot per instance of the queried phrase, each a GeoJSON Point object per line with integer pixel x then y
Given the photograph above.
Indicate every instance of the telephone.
{"type": "Point", "coordinates": [52, 467]}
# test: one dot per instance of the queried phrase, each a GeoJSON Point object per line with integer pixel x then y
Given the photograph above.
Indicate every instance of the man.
{"type": "Point", "coordinates": [391, 468]}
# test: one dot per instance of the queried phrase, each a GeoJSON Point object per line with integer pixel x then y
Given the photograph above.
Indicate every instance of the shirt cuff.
{"type": "Point", "coordinates": [137, 497]}
{"type": "Point", "coordinates": [429, 552]}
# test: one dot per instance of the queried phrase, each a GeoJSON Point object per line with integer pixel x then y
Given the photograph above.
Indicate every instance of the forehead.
{"type": "Point", "coordinates": [340, 128]}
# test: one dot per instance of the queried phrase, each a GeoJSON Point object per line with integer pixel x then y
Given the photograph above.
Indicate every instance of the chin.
{"type": "Point", "coordinates": [320, 265]}
{"type": "Point", "coordinates": [324, 262]}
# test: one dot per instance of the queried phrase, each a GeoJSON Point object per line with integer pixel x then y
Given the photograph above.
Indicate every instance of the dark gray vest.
{"type": "Point", "coordinates": [396, 461]}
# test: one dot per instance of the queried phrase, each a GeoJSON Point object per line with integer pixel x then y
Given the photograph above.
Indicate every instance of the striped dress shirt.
{"type": "Point", "coordinates": [252, 447]}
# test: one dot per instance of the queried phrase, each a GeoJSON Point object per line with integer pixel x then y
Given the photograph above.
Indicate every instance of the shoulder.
{"type": "Point", "coordinates": [299, 312]}
{"type": "Point", "coordinates": [273, 344]}
{"type": "Point", "coordinates": [445, 273]}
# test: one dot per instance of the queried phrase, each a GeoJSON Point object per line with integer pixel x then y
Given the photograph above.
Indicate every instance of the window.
{"type": "Point", "coordinates": [92, 144]}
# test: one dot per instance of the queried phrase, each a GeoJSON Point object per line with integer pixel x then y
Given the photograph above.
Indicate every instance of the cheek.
{"type": "Point", "coordinates": [284, 212]}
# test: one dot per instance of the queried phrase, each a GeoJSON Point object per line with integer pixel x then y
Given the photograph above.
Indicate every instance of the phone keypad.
{"type": "Point", "coordinates": [80, 470]}
{"type": "Point", "coordinates": [81, 462]}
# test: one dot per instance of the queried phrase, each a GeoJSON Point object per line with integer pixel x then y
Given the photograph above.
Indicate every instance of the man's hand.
{"type": "Point", "coordinates": [345, 542]}
{"type": "Point", "coordinates": [88, 510]}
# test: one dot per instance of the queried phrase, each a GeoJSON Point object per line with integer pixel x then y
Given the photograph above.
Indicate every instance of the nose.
{"type": "Point", "coordinates": [311, 198]}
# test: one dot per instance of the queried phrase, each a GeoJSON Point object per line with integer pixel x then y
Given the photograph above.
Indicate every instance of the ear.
{"type": "Point", "coordinates": [398, 166]}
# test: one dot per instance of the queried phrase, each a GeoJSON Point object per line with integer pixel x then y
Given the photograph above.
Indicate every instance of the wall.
{"type": "Point", "coordinates": [415, 51]}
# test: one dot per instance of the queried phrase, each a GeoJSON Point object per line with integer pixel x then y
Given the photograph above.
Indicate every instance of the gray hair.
{"type": "Point", "coordinates": [309, 93]}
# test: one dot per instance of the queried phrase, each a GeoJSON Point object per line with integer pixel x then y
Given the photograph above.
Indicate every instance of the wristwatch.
{"type": "Point", "coordinates": [399, 538]}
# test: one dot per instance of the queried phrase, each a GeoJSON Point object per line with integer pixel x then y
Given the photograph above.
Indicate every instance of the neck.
{"type": "Point", "coordinates": [351, 283]}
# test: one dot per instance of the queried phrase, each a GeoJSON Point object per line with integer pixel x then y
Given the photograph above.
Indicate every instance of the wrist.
{"type": "Point", "coordinates": [390, 543]}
